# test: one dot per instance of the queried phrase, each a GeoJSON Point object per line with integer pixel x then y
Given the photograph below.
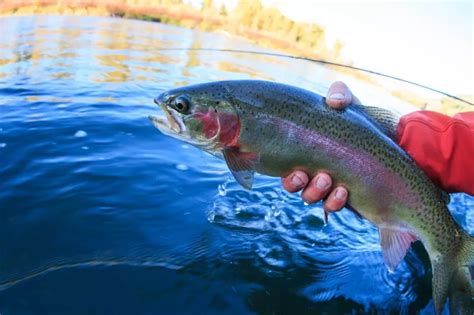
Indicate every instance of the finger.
{"type": "Point", "coordinates": [340, 96]}
{"type": "Point", "coordinates": [317, 189]}
{"type": "Point", "coordinates": [295, 181]}
{"type": "Point", "coordinates": [336, 199]}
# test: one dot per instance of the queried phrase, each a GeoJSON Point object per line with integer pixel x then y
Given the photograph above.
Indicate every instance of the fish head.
{"type": "Point", "coordinates": [201, 115]}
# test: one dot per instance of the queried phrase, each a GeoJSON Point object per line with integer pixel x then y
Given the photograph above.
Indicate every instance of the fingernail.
{"type": "Point", "coordinates": [296, 181]}
{"type": "Point", "coordinates": [322, 183]}
{"type": "Point", "coordinates": [340, 194]}
{"type": "Point", "coordinates": [337, 96]}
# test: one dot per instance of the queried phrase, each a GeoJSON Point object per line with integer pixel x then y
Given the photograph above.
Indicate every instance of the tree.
{"type": "Point", "coordinates": [207, 4]}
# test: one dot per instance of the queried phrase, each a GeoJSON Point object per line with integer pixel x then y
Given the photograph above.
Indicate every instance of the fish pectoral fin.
{"type": "Point", "coordinates": [242, 165]}
{"type": "Point", "coordinates": [395, 245]}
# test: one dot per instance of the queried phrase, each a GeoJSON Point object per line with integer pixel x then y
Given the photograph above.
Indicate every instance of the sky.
{"type": "Point", "coordinates": [430, 42]}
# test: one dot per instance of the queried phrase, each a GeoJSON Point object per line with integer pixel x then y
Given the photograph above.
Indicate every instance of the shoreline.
{"type": "Point", "coordinates": [175, 14]}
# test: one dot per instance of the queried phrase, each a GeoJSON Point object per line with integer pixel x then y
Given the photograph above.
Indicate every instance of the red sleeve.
{"type": "Point", "coordinates": [442, 146]}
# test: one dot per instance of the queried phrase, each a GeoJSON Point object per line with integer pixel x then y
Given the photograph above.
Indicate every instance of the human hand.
{"type": "Point", "coordinates": [320, 186]}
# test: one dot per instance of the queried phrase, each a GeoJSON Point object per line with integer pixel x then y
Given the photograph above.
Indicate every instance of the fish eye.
{"type": "Point", "coordinates": [181, 104]}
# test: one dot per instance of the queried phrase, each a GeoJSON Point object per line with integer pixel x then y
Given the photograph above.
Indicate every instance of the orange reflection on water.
{"type": "Point", "coordinates": [235, 68]}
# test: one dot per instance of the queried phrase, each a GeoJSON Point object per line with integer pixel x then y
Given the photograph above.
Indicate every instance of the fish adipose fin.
{"type": "Point", "coordinates": [395, 245]}
{"type": "Point", "coordinates": [386, 120]}
{"type": "Point", "coordinates": [242, 165]}
{"type": "Point", "coordinates": [446, 197]}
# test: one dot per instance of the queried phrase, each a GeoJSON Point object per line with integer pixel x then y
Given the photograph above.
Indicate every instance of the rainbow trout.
{"type": "Point", "coordinates": [273, 129]}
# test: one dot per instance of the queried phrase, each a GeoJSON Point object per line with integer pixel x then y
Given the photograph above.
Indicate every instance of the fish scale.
{"type": "Point", "coordinates": [281, 128]}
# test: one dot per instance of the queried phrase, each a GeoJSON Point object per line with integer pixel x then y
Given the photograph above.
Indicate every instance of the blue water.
{"type": "Point", "coordinates": [102, 214]}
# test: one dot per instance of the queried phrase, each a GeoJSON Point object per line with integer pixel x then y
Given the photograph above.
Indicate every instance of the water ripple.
{"type": "Point", "coordinates": [92, 194]}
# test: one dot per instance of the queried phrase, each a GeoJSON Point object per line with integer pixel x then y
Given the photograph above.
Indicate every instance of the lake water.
{"type": "Point", "coordinates": [102, 214]}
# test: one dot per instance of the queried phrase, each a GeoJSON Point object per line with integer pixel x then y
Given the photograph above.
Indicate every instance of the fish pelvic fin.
{"type": "Point", "coordinates": [451, 278]}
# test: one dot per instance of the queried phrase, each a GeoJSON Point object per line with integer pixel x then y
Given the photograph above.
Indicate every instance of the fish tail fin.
{"type": "Point", "coordinates": [451, 277]}
{"type": "Point", "coordinates": [466, 254]}
{"type": "Point", "coordinates": [443, 268]}
{"type": "Point", "coordinates": [461, 292]}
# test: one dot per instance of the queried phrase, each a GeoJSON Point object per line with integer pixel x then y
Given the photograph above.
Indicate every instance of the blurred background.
{"type": "Point", "coordinates": [102, 214]}
{"type": "Point", "coordinates": [429, 42]}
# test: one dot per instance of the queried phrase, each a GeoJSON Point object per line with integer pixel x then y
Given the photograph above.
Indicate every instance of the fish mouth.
{"type": "Point", "coordinates": [170, 123]}
{"type": "Point", "coordinates": [163, 124]}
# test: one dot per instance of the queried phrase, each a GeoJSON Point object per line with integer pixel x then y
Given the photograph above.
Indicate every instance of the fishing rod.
{"type": "Point", "coordinates": [255, 52]}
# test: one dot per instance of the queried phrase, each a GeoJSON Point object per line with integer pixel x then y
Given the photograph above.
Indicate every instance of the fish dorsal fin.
{"type": "Point", "coordinates": [395, 245]}
{"type": "Point", "coordinates": [242, 165]}
{"type": "Point", "coordinates": [385, 120]}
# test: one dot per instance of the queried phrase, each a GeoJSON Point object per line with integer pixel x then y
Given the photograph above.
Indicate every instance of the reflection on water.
{"type": "Point", "coordinates": [100, 213]}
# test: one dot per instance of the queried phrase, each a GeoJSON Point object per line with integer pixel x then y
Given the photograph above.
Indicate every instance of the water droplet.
{"type": "Point", "coordinates": [305, 203]}
{"type": "Point", "coordinates": [211, 216]}
{"type": "Point", "coordinates": [222, 190]}
{"type": "Point", "coordinates": [182, 167]}
{"type": "Point", "coordinates": [277, 212]}
{"type": "Point", "coordinates": [185, 146]}
{"type": "Point", "coordinates": [268, 216]}
{"type": "Point", "coordinates": [80, 134]}
{"type": "Point", "coordinates": [85, 148]}
{"type": "Point", "coordinates": [238, 208]}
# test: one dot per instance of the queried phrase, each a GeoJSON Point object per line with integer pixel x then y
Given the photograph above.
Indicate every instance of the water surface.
{"type": "Point", "coordinates": [101, 214]}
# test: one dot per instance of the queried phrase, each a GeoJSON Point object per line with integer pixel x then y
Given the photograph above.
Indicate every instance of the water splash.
{"type": "Point", "coordinates": [121, 200]}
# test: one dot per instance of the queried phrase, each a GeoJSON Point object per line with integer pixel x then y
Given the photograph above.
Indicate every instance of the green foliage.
{"type": "Point", "coordinates": [207, 4]}
{"type": "Point", "coordinates": [223, 10]}
{"type": "Point", "coordinates": [254, 15]}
